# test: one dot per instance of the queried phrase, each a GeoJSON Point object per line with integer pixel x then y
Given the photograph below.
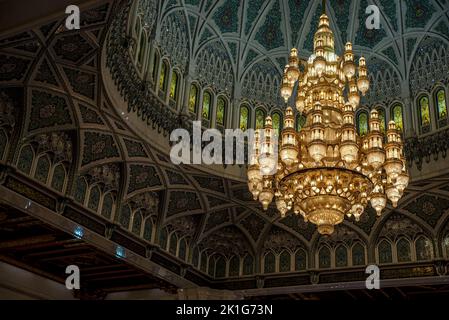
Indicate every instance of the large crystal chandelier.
{"type": "Point", "coordinates": [326, 170]}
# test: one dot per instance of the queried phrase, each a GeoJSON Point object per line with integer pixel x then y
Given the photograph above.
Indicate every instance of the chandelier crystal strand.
{"type": "Point", "coordinates": [326, 171]}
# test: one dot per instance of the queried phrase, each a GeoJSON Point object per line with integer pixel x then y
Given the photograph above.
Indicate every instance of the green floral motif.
{"type": "Point", "coordinates": [244, 118]}
{"type": "Point", "coordinates": [441, 101]}
{"type": "Point", "coordinates": [424, 111]}
{"type": "Point", "coordinates": [270, 35]}
{"type": "Point", "coordinates": [98, 146]}
{"type": "Point", "coordinates": [142, 177]}
{"type": "Point", "coordinates": [48, 110]}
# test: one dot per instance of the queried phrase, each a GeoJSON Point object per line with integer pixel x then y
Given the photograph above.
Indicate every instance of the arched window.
{"type": "Point", "coordinates": [80, 190]}
{"type": "Point", "coordinates": [269, 263]}
{"type": "Point", "coordinates": [125, 217]}
{"type": "Point", "coordinates": [397, 117]}
{"type": "Point", "coordinates": [174, 86]}
{"type": "Point", "coordinates": [193, 98]}
{"type": "Point", "coordinates": [203, 262]}
{"type": "Point", "coordinates": [248, 265]}
{"type": "Point", "coordinates": [137, 223]}
{"type": "Point", "coordinates": [324, 258]}
{"type": "Point", "coordinates": [26, 159]}
{"type": "Point", "coordinates": [424, 114]}
{"type": "Point", "coordinates": [58, 178]}
{"type": "Point", "coordinates": [446, 245]}
{"type": "Point", "coordinates": [341, 256]}
{"type": "Point", "coordinates": [441, 106]}
{"type": "Point", "coordinates": [423, 249]}
{"type": "Point", "coordinates": [163, 239]}
{"type": "Point", "coordinates": [173, 244]}
{"type": "Point", "coordinates": [148, 229]}
{"type": "Point", "coordinates": [358, 255]}
{"type": "Point", "coordinates": [285, 261]}
{"type": "Point", "coordinates": [244, 118]}
{"type": "Point", "coordinates": [362, 123]}
{"type": "Point", "coordinates": [108, 203]}
{"type": "Point", "coordinates": [300, 260]}
{"type": "Point", "coordinates": [221, 111]}
{"type": "Point", "coordinates": [141, 50]}
{"type": "Point", "coordinates": [260, 119]}
{"type": "Point", "coordinates": [182, 254]}
{"type": "Point", "coordinates": [382, 118]}
{"type": "Point", "coordinates": [207, 100]}
{"type": "Point", "coordinates": [155, 65]}
{"type": "Point", "coordinates": [3, 142]}
{"type": "Point", "coordinates": [234, 266]}
{"type": "Point", "coordinates": [300, 122]}
{"type": "Point", "coordinates": [403, 250]}
{"type": "Point", "coordinates": [42, 169]}
{"type": "Point", "coordinates": [196, 257]}
{"type": "Point", "coordinates": [94, 198]}
{"type": "Point", "coordinates": [277, 123]}
{"type": "Point", "coordinates": [384, 249]}
{"type": "Point", "coordinates": [163, 77]}
{"type": "Point", "coordinates": [211, 267]}
{"type": "Point", "coordinates": [220, 268]}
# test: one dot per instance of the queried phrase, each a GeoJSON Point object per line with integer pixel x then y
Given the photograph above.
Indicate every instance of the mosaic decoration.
{"type": "Point", "coordinates": [98, 146]}
{"type": "Point", "coordinates": [45, 74]}
{"type": "Point", "coordinates": [141, 177]}
{"type": "Point", "coordinates": [72, 48]}
{"type": "Point", "coordinates": [269, 34]}
{"type": "Point", "coordinates": [429, 208]}
{"type": "Point", "coordinates": [12, 68]}
{"type": "Point", "coordinates": [254, 225]}
{"type": "Point", "coordinates": [82, 82]}
{"type": "Point", "coordinates": [48, 110]}
{"type": "Point", "coordinates": [181, 201]}
{"type": "Point", "coordinates": [135, 149]}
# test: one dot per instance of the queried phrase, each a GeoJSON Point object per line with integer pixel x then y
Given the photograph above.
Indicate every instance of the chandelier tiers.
{"type": "Point", "coordinates": [326, 170]}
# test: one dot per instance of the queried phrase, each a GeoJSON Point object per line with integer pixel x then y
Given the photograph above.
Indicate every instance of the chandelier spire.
{"type": "Point", "coordinates": [327, 170]}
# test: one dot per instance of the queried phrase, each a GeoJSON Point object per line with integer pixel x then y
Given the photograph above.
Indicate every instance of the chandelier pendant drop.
{"type": "Point", "coordinates": [326, 171]}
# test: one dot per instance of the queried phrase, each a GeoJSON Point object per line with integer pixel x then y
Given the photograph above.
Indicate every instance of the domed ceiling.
{"type": "Point", "coordinates": [258, 34]}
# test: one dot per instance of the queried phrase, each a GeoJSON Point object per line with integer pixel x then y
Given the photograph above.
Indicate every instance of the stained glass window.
{"type": "Point", "coordinates": [383, 119]}
{"type": "Point", "coordinates": [163, 76]}
{"type": "Point", "coordinates": [137, 223]}
{"type": "Point", "coordinates": [196, 257]}
{"type": "Point", "coordinates": [441, 103]}
{"type": "Point", "coordinates": [284, 261]}
{"type": "Point", "coordinates": [260, 119]}
{"type": "Point", "coordinates": [424, 111]}
{"type": "Point", "coordinates": [269, 263]}
{"type": "Point", "coordinates": [324, 258]}
{"type": "Point", "coordinates": [446, 245]}
{"type": "Point", "coordinates": [221, 111]}
{"type": "Point", "coordinates": [248, 265]}
{"type": "Point", "coordinates": [80, 190]}
{"type": "Point", "coordinates": [163, 239]}
{"type": "Point", "coordinates": [155, 65]}
{"type": "Point", "coordinates": [94, 198]}
{"type": "Point", "coordinates": [244, 118]}
{"type": "Point", "coordinates": [403, 248]}
{"type": "Point", "coordinates": [398, 117]}
{"type": "Point", "coordinates": [234, 266]}
{"type": "Point", "coordinates": [58, 178]}
{"type": "Point", "coordinates": [182, 249]}
{"type": "Point", "coordinates": [300, 122]}
{"type": "Point", "coordinates": [423, 249]}
{"type": "Point", "coordinates": [174, 86]}
{"type": "Point", "coordinates": [3, 142]}
{"type": "Point", "coordinates": [141, 48]}
{"type": "Point", "coordinates": [193, 98]}
{"type": "Point", "coordinates": [125, 217]}
{"type": "Point", "coordinates": [300, 260]}
{"type": "Point", "coordinates": [363, 123]}
{"type": "Point", "coordinates": [106, 209]}
{"type": "Point", "coordinates": [42, 169]}
{"type": "Point", "coordinates": [358, 255]}
{"type": "Point", "coordinates": [341, 256]}
{"type": "Point", "coordinates": [385, 255]}
{"type": "Point", "coordinates": [203, 262]}
{"type": "Point", "coordinates": [173, 244]}
{"type": "Point", "coordinates": [26, 159]}
{"type": "Point", "coordinates": [211, 267]}
{"type": "Point", "coordinates": [220, 268]}
{"type": "Point", "coordinates": [207, 98]}
{"type": "Point", "coordinates": [148, 229]}
{"type": "Point", "coordinates": [277, 123]}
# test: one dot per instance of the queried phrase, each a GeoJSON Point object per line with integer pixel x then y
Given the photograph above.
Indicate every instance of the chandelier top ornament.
{"type": "Point", "coordinates": [326, 170]}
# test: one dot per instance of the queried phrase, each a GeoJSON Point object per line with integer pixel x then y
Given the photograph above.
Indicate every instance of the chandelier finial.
{"type": "Point", "coordinates": [324, 6]}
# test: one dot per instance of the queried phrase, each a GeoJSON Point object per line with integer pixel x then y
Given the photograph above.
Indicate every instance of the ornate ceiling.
{"type": "Point", "coordinates": [258, 34]}
{"type": "Point", "coordinates": [52, 78]}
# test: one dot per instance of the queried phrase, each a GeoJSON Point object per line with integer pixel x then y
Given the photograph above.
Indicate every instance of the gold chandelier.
{"type": "Point", "coordinates": [326, 170]}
